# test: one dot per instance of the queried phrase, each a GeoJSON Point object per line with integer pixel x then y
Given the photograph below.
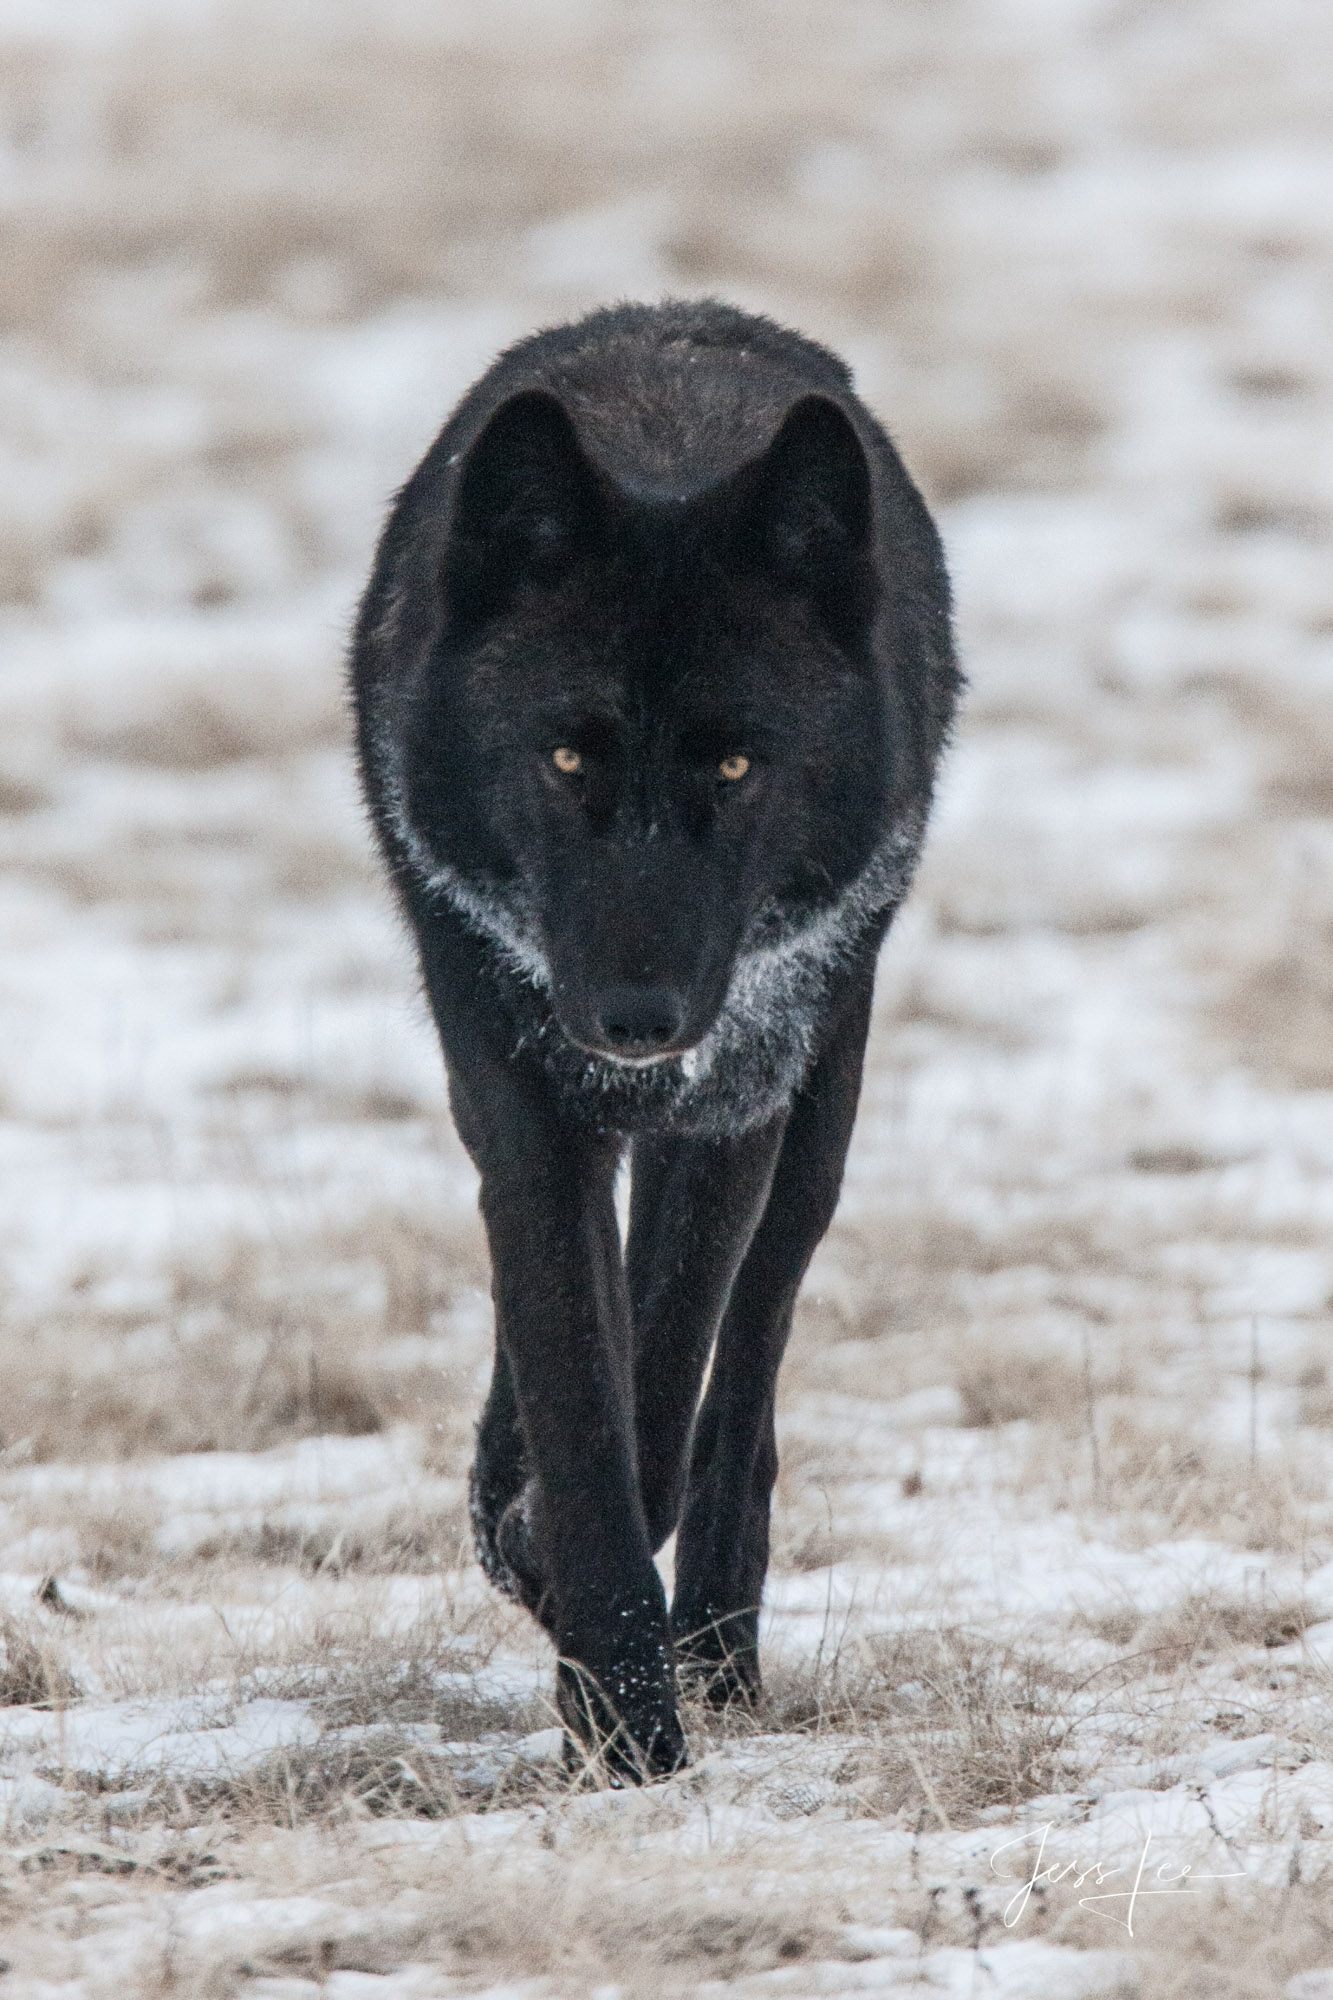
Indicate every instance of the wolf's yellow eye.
{"type": "Point", "coordinates": [734, 767]}
{"type": "Point", "coordinates": [567, 760]}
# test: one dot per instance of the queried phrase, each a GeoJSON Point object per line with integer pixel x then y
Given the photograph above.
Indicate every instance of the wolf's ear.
{"type": "Point", "coordinates": [529, 503]}
{"type": "Point", "coordinates": [807, 514]}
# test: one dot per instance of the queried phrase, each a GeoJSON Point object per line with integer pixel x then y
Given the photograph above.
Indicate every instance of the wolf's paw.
{"type": "Point", "coordinates": [629, 1738]}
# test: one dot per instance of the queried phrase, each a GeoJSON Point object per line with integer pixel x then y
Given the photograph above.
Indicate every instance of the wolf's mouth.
{"type": "Point", "coordinates": [619, 1060]}
{"type": "Point", "coordinates": [687, 1060]}
{"type": "Point", "coordinates": [637, 1062]}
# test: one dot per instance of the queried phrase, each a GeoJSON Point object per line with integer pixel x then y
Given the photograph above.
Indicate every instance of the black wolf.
{"type": "Point", "coordinates": [651, 676]}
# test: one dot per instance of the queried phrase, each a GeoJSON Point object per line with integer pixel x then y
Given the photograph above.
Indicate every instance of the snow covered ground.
{"type": "Point", "coordinates": [1051, 1620]}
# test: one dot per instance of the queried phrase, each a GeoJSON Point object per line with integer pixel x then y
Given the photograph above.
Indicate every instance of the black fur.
{"type": "Point", "coordinates": [663, 538]}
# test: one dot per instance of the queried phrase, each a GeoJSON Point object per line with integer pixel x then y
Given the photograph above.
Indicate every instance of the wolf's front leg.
{"type": "Point", "coordinates": [575, 1534]}
{"type": "Point", "coordinates": [693, 1211]}
{"type": "Point", "coordinates": [722, 1545]}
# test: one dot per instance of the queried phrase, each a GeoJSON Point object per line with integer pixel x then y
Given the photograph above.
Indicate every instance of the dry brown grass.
{"type": "Point", "coordinates": [651, 1935]}
{"type": "Point", "coordinates": [1227, 1941]}
{"type": "Point", "coordinates": [410, 1541]}
{"type": "Point", "coordinates": [1200, 1628]}
{"type": "Point", "coordinates": [941, 1724]}
{"type": "Point", "coordinates": [1151, 1478]}
{"type": "Point", "coordinates": [126, 1540]}
{"type": "Point", "coordinates": [1266, 950]}
{"type": "Point", "coordinates": [574, 1918]}
{"type": "Point", "coordinates": [587, 1913]}
{"type": "Point", "coordinates": [1316, 1403]}
{"type": "Point", "coordinates": [261, 1342]}
{"type": "Point", "coordinates": [247, 716]}
{"type": "Point", "coordinates": [390, 1772]}
{"type": "Point", "coordinates": [1006, 1387]}
{"type": "Point", "coordinates": [1279, 1010]}
{"type": "Point", "coordinates": [32, 1675]}
{"type": "Point", "coordinates": [356, 1673]}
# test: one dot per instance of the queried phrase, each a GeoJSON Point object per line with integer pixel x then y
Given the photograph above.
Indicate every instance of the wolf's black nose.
{"type": "Point", "coordinates": [635, 1020]}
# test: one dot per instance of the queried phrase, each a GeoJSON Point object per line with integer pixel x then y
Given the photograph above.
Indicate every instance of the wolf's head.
{"type": "Point", "coordinates": [651, 730]}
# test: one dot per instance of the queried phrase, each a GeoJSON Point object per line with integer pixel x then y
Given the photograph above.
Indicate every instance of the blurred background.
{"type": "Point", "coordinates": [1080, 254]}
